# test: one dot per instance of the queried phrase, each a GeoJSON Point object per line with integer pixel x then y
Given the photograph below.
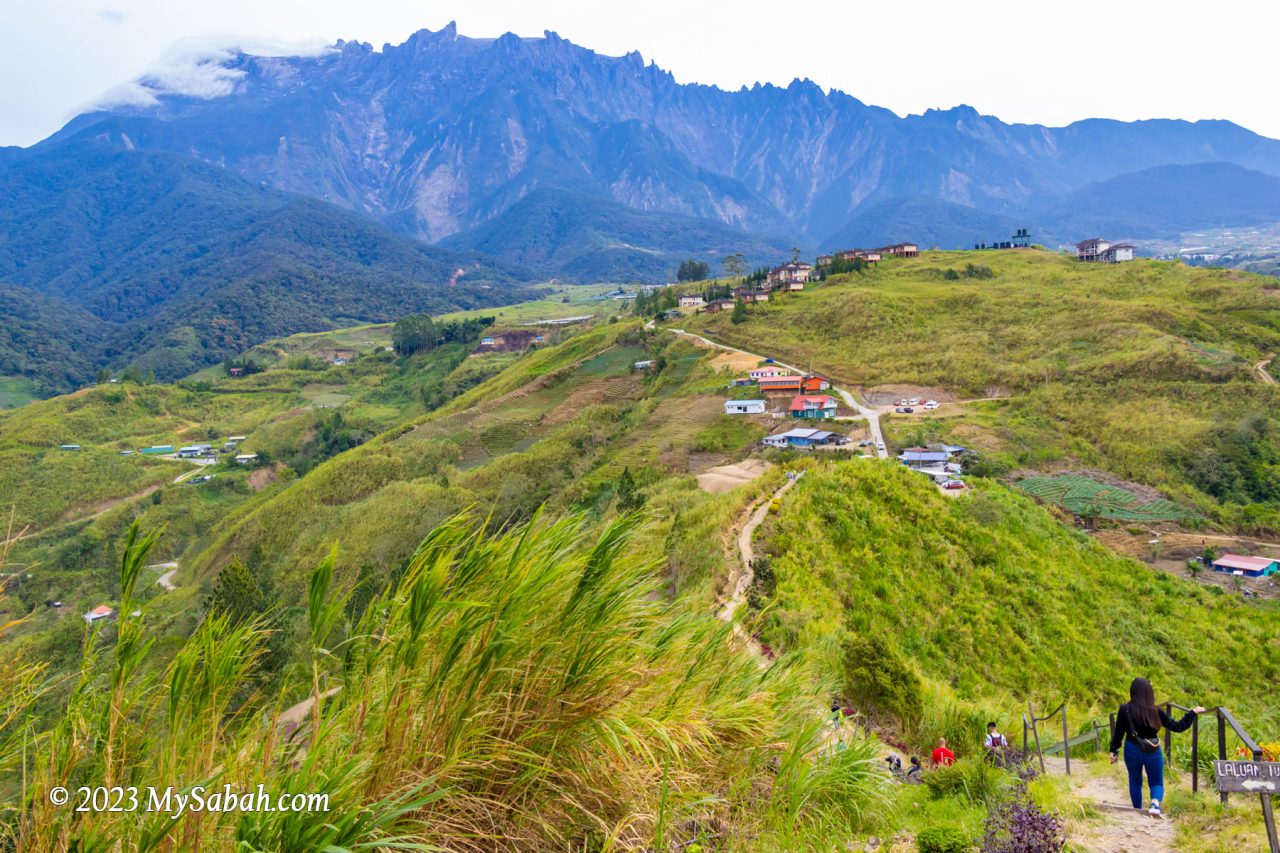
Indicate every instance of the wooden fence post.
{"type": "Point", "coordinates": [1066, 739]}
{"type": "Point", "coordinates": [1035, 731]}
{"type": "Point", "coordinates": [1195, 754]}
{"type": "Point", "coordinates": [1222, 747]}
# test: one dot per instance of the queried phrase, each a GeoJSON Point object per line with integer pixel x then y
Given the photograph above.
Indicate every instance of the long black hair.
{"type": "Point", "coordinates": [1142, 703]}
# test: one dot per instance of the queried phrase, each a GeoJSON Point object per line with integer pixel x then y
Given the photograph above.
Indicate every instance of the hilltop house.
{"type": "Point", "coordinates": [1250, 567]}
{"type": "Point", "coordinates": [719, 305]}
{"type": "Point", "coordinates": [900, 250]}
{"type": "Point", "coordinates": [814, 383]}
{"type": "Point", "coordinates": [815, 406]}
{"type": "Point", "coordinates": [803, 437]}
{"type": "Point", "coordinates": [779, 384]}
{"type": "Point", "coordinates": [751, 295]}
{"type": "Point", "coordinates": [918, 457]}
{"type": "Point", "coordinates": [694, 301]}
{"type": "Point", "coordinates": [768, 371]}
{"type": "Point", "coordinates": [246, 458]}
{"type": "Point", "coordinates": [744, 407]}
{"type": "Point", "coordinates": [102, 611]}
{"type": "Point", "coordinates": [869, 256]}
{"type": "Point", "coordinates": [794, 272]}
{"type": "Point", "coordinates": [1102, 251]}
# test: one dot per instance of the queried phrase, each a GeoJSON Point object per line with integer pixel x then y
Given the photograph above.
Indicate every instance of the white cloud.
{"type": "Point", "coordinates": [200, 68]}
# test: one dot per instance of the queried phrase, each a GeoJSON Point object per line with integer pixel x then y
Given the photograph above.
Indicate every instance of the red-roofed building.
{"type": "Point", "coordinates": [102, 611]}
{"type": "Point", "coordinates": [813, 406]}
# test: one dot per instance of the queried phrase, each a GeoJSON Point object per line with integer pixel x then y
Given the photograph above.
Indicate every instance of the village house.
{"type": "Point", "coordinates": [102, 611]}
{"type": "Point", "coordinates": [814, 383]}
{"type": "Point", "coordinates": [643, 365]}
{"type": "Point", "coordinates": [780, 384]}
{"type": "Point", "coordinates": [751, 295]}
{"type": "Point", "coordinates": [1101, 251]}
{"type": "Point", "coordinates": [235, 372]}
{"type": "Point", "coordinates": [246, 458]}
{"type": "Point", "coordinates": [768, 371]}
{"type": "Point", "coordinates": [795, 286]}
{"type": "Point", "coordinates": [719, 305]}
{"type": "Point", "coordinates": [157, 450]}
{"type": "Point", "coordinates": [744, 407]}
{"type": "Point", "coordinates": [796, 271]}
{"type": "Point", "coordinates": [694, 301]}
{"type": "Point", "coordinates": [813, 406]}
{"type": "Point", "coordinates": [825, 260]}
{"type": "Point", "coordinates": [805, 438]}
{"type": "Point", "coordinates": [871, 256]}
{"type": "Point", "coordinates": [900, 250]}
{"type": "Point", "coordinates": [918, 457]}
{"type": "Point", "coordinates": [1249, 567]}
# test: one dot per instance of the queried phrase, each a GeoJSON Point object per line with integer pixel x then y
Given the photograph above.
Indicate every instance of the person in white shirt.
{"type": "Point", "coordinates": [994, 743]}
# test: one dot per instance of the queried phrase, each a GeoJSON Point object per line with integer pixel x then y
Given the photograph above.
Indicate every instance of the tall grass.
{"type": "Point", "coordinates": [511, 691]}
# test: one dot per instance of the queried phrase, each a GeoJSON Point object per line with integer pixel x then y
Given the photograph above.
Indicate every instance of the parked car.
{"type": "Point", "coordinates": [953, 484]}
{"type": "Point", "coordinates": [879, 445]}
{"type": "Point", "coordinates": [906, 410]}
{"type": "Point", "coordinates": [931, 405]}
{"type": "Point", "coordinates": [913, 402]}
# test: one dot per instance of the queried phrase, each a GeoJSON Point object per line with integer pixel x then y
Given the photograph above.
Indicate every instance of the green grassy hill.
{"type": "Point", "coordinates": [993, 598]}
{"type": "Point", "coordinates": [1143, 370]}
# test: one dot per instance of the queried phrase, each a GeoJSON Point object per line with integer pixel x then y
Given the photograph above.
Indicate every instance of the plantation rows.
{"type": "Point", "coordinates": [1085, 497]}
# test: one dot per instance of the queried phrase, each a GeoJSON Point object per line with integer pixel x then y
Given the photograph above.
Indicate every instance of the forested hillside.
{"type": "Point", "coordinates": [169, 264]}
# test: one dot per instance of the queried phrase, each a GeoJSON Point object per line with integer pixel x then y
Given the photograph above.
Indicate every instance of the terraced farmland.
{"type": "Point", "coordinates": [1085, 497]}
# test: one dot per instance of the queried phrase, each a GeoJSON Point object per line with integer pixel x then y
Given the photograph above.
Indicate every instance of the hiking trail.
{"type": "Point", "coordinates": [740, 574]}
{"type": "Point", "coordinates": [1122, 829]}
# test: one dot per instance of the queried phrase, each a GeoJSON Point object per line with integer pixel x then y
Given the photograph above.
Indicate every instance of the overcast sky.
{"type": "Point", "coordinates": [1029, 61]}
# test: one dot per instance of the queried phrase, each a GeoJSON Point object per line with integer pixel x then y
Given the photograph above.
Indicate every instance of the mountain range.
{"type": "Point", "coordinates": [254, 196]}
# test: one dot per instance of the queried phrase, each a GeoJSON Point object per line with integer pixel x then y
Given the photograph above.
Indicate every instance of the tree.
{"type": "Point", "coordinates": [237, 594]}
{"type": "Point", "coordinates": [739, 312]}
{"type": "Point", "coordinates": [629, 497]}
{"type": "Point", "coordinates": [693, 270]}
{"type": "Point", "coordinates": [103, 376]}
{"type": "Point", "coordinates": [795, 254]}
{"type": "Point", "coordinates": [735, 265]}
{"type": "Point", "coordinates": [414, 333]}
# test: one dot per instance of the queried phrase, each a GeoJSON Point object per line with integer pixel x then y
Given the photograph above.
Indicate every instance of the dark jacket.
{"type": "Point", "coordinates": [1123, 719]}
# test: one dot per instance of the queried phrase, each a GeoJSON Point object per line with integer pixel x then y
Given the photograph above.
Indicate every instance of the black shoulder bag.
{"type": "Point", "coordinates": [1146, 744]}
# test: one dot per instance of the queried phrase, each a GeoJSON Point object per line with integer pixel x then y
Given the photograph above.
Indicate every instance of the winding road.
{"type": "Point", "coordinates": [1261, 369]}
{"type": "Point", "coordinates": [872, 415]}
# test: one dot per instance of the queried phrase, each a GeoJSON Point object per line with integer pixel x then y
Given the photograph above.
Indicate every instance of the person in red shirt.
{"type": "Point", "coordinates": [942, 757]}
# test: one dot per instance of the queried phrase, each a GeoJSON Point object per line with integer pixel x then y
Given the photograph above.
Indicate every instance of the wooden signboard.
{"type": "Point", "coordinates": [1248, 777]}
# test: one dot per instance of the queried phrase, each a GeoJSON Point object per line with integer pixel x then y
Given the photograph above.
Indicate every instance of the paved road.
{"type": "Point", "coordinates": [166, 580]}
{"type": "Point", "coordinates": [872, 415]}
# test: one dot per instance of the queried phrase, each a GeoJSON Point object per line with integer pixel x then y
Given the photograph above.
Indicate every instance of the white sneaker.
{"type": "Point", "coordinates": [1154, 811]}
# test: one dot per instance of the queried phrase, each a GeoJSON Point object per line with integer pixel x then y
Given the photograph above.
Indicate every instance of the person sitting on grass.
{"type": "Point", "coordinates": [941, 756]}
{"type": "Point", "coordinates": [913, 774]}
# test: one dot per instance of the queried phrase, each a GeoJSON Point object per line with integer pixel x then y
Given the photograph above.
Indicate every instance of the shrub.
{"type": "Point", "coordinates": [978, 782]}
{"type": "Point", "coordinates": [876, 676]}
{"type": "Point", "coordinates": [943, 839]}
{"type": "Point", "coordinates": [1018, 825]}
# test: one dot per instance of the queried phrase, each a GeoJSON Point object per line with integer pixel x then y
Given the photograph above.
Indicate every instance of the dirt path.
{"type": "Point", "coordinates": [871, 414]}
{"type": "Point", "coordinates": [1123, 830]}
{"type": "Point", "coordinates": [740, 575]}
{"type": "Point", "coordinates": [1261, 369]}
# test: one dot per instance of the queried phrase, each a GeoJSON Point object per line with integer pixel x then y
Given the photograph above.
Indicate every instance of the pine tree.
{"type": "Point", "coordinates": [629, 497]}
{"type": "Point", "coordinates": [739, 312]}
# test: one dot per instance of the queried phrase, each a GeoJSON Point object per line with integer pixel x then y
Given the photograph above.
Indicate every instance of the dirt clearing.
{"type": "Point", "coordinates": [722, 478]}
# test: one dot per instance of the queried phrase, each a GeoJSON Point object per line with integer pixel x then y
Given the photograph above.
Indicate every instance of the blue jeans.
{"type": "Point", "coordinates": [1135, 760]}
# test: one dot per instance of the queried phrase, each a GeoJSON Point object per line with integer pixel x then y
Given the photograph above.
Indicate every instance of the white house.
{"type": "Point", "coordinates": [102, 611]}
{"type": "Point", "coordinates": [768, 372]}
{"type": "Point", "coordinates": [1102, 251]}
{"type": "Point", "coordinates": [744, 407]}
{"type": "Point", "coordinates": [694, 301]}
{"type": "Point", "coordinates": [246, 458]}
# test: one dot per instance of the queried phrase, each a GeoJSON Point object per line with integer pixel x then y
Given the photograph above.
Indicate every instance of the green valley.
{"type": "Point", "coordinates": [471, 591]}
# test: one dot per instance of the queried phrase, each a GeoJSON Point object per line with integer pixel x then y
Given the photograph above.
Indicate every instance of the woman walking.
{"type": "Point", "coordinates": [1138, 725]}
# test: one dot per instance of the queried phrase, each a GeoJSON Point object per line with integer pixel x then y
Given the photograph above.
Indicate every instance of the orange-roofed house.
{"type": "Point", "coordinates": [814, 406]}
